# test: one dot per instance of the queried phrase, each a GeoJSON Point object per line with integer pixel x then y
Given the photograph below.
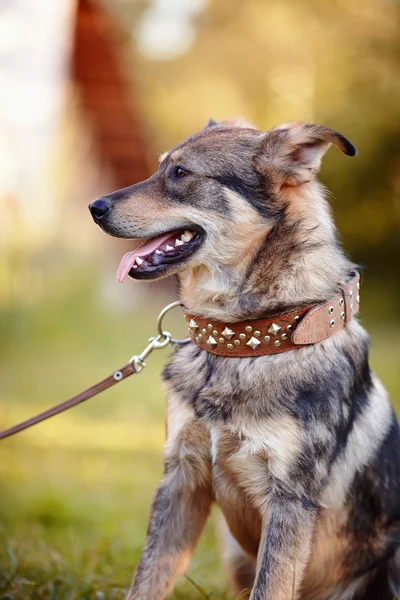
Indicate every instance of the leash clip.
{"type": "Point", "coordinates": [160, 341]}
{"type": "Point", "coordinates": [155, 343]}
{"type": "Point", "coordinates": [135, 365]}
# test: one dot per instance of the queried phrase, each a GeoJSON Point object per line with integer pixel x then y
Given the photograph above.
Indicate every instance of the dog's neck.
{"type": "Point", "coordinates": [298, 261]}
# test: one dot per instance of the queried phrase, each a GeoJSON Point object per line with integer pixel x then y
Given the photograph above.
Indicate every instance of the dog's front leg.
{"type": "Point", "coordinates": [284, 549]}
{"type": "Point", "coordinates": [179, 512]}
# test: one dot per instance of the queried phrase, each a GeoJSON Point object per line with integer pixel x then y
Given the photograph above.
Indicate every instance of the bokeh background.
{"type": "Point", "coordinates": [91, 92]}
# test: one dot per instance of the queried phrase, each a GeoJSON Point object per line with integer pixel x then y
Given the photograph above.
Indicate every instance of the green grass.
{"type": "Point", "coordinates": [75, 492]}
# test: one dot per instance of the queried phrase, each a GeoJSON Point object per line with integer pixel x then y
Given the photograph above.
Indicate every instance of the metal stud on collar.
{"type": "Point", "coordinates": [274, 329]}
{"type": "Point", "coordinates": [193, 325]}
{"type": "Point", "coordinates": [228, 333]}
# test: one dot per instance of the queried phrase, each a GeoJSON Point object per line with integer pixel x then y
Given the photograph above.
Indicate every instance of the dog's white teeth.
{"type": "Point", "coordinates": [168, 248]}
{"type": "Point", "coordinates": [187, 236]}
{"type": "Point", "coordinates": [179, 243]}
{"type": "Point", "coordinates": [139, 260]}
{"type": "Point", "coordinates": [134, 266]}
{"type": "Point", "coordinates": [158, 252]}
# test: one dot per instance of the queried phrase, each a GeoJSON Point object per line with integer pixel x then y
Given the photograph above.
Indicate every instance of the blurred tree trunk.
{"type": "Point", "coordinates": [107, 96]}
{"type": "Point", "coordinates": [101, 61]}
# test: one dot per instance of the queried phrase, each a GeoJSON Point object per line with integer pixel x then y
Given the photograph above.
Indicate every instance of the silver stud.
{"type": "Point", "coordinates": [215, 333]}
{"type": "Point", "coordinates": [204, 331]}
{"type": "Point", "coordinates": [193, 325]}
{"type": "Point", "coordinates": [200, 336]}
{"type": "Point", "coordinates": [267, 338]}
{"type": "Point", "coordinates": [351, 293]}
{"type": "Point", "coordinates": [229, 346]}
{"type": "Point", "coordinates": [209, 326]}
{"type": "Point", "coordinates": [289, 327]}
{"type": "Point", "coordinates": [351, 306]}
{"type": "Point", "coordinates": [253, 343]}
{"type": "Point", "coordinates": [197, 338]}
{"type": "Point", "coordinates": [228, 333]}
{"type": "Point", "coordinates": [118, 375]}
{"type": "Point", "coordinates": [358, 298]}
{"type": "Point", "coordinates": [257, 333]}
{"type": "Point", "coordinates": [277, 343]}
{"type": "Point", "coordinates": [284, 336]}
{"type": "Point", "coordinates": [332, 323]}
{"type": "Point", "coordinates": [342, 316]}
{"type": "Point", "coordinates": [341, 301]}
{"type": "Point", "coordinates": [297, 318]}
{"type": "Point", "coordinates": [358, 285]}
{"type": "Point", "coordinates": [274, 329]}
{"type": "Point", "coordinates": [212, 342]}
{"type": "Point", "coordinates": [249, 328]}
{"type": "Point", "coordinates": [330, 310]}
{"type": "Point", "coordinates": [236, 342]}
{"type": "Point", "coordinates": [221, 340]}
{"type": "Point", "coordinates": [242, 336]}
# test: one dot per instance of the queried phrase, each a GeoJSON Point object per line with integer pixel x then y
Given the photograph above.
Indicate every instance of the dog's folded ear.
{"type": "Point", "coordinates": [291, 154]}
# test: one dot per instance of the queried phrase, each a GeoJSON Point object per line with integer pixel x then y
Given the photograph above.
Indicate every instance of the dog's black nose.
{"type": "Point", "coordinates": [99, 208]}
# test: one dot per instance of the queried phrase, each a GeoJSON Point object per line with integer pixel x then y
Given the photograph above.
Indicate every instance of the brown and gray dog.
{"type": "Point", "coordinates": [301, 449]}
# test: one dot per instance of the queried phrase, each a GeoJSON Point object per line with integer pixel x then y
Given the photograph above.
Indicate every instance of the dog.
{"type": "Point", "coordinates": [297, 444]}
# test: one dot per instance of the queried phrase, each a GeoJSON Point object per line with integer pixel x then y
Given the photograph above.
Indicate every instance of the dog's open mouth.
{"type": "Point", "coordinates": [158, 253]}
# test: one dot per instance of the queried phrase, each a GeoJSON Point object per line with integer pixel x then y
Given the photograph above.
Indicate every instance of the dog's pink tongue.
{"type": "Point", "coordinates": [128, 260]}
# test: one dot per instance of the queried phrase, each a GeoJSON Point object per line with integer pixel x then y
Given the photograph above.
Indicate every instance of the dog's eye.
{"type": "Point", "coordinates": [178, 172]}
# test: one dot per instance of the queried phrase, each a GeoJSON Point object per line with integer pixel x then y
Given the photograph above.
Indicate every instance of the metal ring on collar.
{"type": "Point", "coordinates": [160, 318]}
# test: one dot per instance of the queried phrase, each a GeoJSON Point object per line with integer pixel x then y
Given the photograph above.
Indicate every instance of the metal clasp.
{"type": "Point", "coordinates": [155, 343]}
{"type": "Point", "coordinates": [160, 341]}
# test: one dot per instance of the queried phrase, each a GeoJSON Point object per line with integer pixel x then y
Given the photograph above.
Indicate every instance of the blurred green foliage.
{"type": "Point", "coordinates": [335, 63]}
{"type": "Point", "coordinates": [76, 490]}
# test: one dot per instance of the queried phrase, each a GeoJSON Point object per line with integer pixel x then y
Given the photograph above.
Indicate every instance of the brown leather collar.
{"type": "Point", "coordinates": [278, 333]}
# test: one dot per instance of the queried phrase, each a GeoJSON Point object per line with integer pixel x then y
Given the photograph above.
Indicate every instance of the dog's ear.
{"type": "Point", "coordinates": [291, 154]}
{"type": "Point", "coordinates": [162, 157]}
{"type": "Point", "coordinates": [239, 122]}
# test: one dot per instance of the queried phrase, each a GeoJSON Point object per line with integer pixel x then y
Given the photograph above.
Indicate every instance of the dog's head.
{"type": "Point", "coordinates": [215, 198]}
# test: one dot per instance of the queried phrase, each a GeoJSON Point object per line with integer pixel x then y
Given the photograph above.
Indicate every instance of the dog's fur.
{"type": "Point", "coordinates": [300, 450]}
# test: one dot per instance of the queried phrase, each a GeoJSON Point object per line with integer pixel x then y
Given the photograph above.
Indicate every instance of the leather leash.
{"type": "Point", "coordinates": [116, 377]}
{"type": "Point", "coordinates": [135, 365]}
{"type": "Point", "coordinates": [308, 325]}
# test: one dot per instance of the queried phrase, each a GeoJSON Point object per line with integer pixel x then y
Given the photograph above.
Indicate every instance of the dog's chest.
{"type": "Point", "coordinates": [250, 453]}
{"type": "Point", "coordinates": [221, 390]}
{"type": "Point", "coordinates": [238, 401]}
{"type": "Point", "coordinates": [252, 441]}
{"type": "Point", "coordinates": [238, 460]}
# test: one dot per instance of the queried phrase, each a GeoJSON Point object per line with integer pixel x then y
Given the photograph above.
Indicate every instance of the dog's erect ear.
{"type": "Point", "coordinates": [162, 157]}
{"type": "Point", "coordinates": [291, 154]}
